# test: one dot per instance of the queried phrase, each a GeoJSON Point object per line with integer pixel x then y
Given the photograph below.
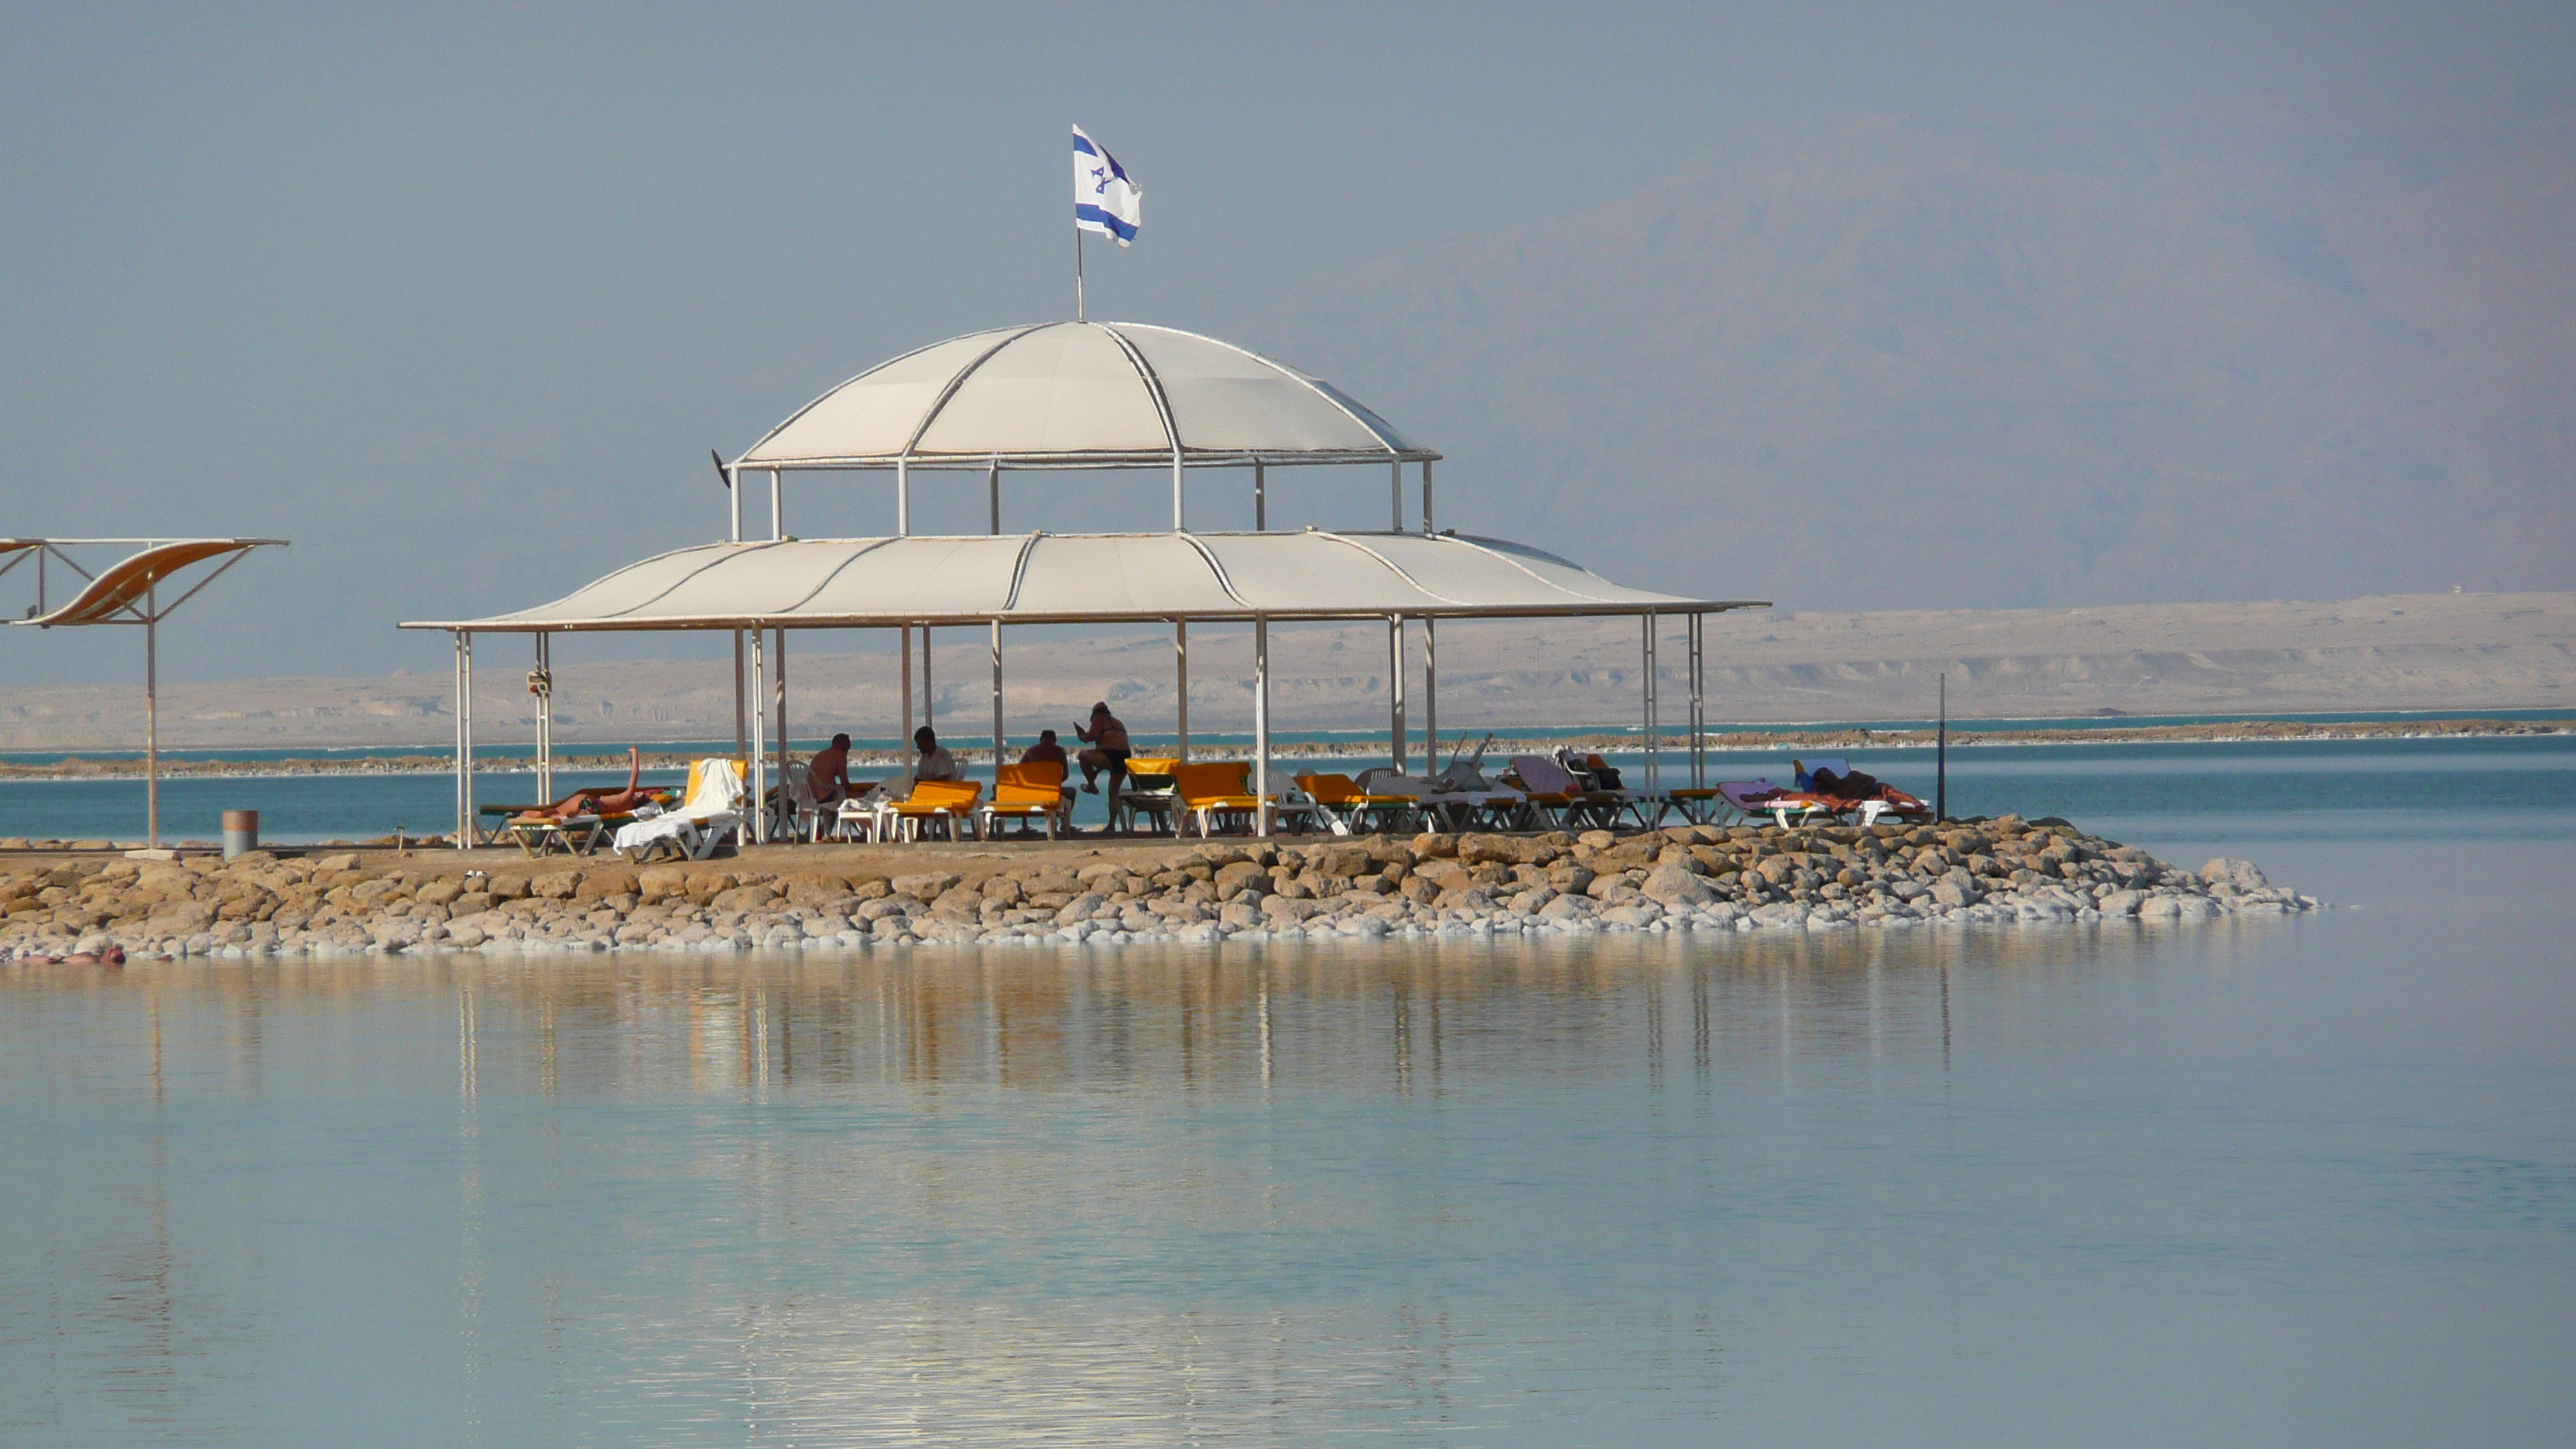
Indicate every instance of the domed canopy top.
{"type": "Point", "coordinates": [1080, 395]}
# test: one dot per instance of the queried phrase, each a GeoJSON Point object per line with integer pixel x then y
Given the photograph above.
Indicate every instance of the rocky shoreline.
{"type": "Point", "coordinates": [1697, 878]}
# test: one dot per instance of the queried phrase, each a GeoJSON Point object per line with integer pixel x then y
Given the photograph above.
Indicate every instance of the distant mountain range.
{"type": "Point", "coordinates": [2418, 652]}
{"type": "Point", "coordinates": [1998, 364]}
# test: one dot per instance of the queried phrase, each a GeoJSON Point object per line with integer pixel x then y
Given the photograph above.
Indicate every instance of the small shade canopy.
{"type": "Point", "coordinates": [1080, 395]}
{"type": "Point", "coordinates": [120, 594]}
{"type": "Point", "coordinates": [1085, 578]}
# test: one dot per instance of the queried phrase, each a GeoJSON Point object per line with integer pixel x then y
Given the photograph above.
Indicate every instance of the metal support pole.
{"type": "Point", "coordinates": [741, 721]}
{"type": "Point", "coordinates": [1941, 756]}
{"type": "Point", "coordinates": [464, 821]}
{"type": "Point", "coordinates": [733, 500]}
{"type": "Point", "coordinates": [1261, 724]}
{"type": "Point", "coordinates": [1395, 690]}
{"type": "Point", "coordinates": [905, 650]}
{"type": "Point", "coordinates": [465, 722]}
{"type": "Point", "coordinates": [993, 492]}
{"type": "Point", "coordinates": [1260, 496]}
{"type": "Point", "coordinates": [544, 689]}
{"type": "Point", "coordinates": [781, 687]}
{"type": "Point", "coordinates": [1395, 496]}
{"type": "Point", "coordinates": [902, 498]}
{"type": "Point", "coordinates": [1181, 685]}
{"type": "Point", "coordinates": [1426, 496]}
{"type": "Point", "coordinates": [759, 735]}
{"type": "Point", "coordinates": [152, 716]}
{"type": "Point", "coordinates": [1430, 695]}
{"type": "Point", "coordinates": [998, 743]}
{"type": "Point", "coordinates": [777, 505]}
{"type": "Point", "coordinates": [1699, 701]}
{"type": "Point", "coordinates": [1654, 756]}
{"type": "Point", "coordinates": [929, 689]}
{"type": "Point", "coordinates": [1180, 512]}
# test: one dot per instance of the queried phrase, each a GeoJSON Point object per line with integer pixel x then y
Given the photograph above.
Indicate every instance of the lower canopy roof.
{"type": "Point", "coordinates": [1049, 578]}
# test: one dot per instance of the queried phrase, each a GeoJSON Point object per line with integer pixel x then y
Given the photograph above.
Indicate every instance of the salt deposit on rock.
{"type": "Point", "coordinates": [1693, 878]}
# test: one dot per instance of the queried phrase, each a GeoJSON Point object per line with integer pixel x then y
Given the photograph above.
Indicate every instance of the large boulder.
{"type": "Point", "coordinates": [1670, 885]}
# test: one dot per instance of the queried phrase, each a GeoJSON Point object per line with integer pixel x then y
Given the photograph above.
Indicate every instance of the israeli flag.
{"type": "Point", "coordinates": [1104, 200]}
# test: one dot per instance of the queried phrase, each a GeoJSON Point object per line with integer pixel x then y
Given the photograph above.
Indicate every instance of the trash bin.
{"type": "Point", "coordinates": [241, 832]}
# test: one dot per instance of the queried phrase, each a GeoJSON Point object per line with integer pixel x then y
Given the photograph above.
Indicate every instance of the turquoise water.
{"type": "Point", "coordinates": [2303, 1181]}
{"type": "Point", "coordinates": [2086, 783]}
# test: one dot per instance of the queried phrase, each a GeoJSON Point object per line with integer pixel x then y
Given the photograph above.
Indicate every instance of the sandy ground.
{"type": "Point", "coordinates": [2391, 653]}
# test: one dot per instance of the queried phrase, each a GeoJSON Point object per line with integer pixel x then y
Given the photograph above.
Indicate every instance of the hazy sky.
{"type": "Point", "coordinates": [459, 299]}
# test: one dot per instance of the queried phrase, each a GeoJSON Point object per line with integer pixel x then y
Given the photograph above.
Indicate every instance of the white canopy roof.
{"type": "Point", "coordinates": [1084, 578]}
{"type": "Point", "coordinates": [1080, 395]}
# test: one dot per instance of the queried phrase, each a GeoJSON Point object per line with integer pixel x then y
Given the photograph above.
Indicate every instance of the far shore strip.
{"type": "Point", "coordinates": [1605, 742]}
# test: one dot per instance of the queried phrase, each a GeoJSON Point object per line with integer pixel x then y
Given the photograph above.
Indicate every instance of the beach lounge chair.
{"type": "Point", "coordinates": [1458, 798]}
{"type": "Point", "coordinates": [1219, 797]}
{"type": "Point", "coordinates": [1344, 800]}
{"type": "Point", "coordinates": [710, 811]}
{"type": "Point", "coordinates": [1148, 791]}
{"type": "Point", "coordinates": [934, 803]}
{"type": "Point", "coordinates": [1615, 800]}
{"type": "Point", "coordinates": [1025, 793]}
{"type": "Point", "coordinates": [1557, 798]}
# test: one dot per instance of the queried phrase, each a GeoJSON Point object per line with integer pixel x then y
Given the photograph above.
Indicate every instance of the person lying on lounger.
{"type": "Point", "coordinates": [1855, 785]}
{"type": "Point", "coordinates": [598, 800]}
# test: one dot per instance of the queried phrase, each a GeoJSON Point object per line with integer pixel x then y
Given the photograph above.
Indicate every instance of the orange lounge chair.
{"type": "Point", "coordinates": [1341, 797]}
{"type": "Point", "coordinates": [1028, 792]}
{"type": "Point", "coordinates": [1217, 793]}
{"type": "Point", "coordinates": [934, 802]}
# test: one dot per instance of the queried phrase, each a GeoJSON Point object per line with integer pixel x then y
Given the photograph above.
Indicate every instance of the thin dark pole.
{"type": "Point", "coordinates": [1941, 756]}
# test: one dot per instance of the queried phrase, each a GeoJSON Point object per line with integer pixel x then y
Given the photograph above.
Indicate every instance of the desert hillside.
{"type": "Point", "coordinates": [2404, 652]}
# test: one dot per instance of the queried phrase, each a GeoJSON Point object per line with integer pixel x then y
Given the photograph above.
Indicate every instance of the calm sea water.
{"type": "Point", "coordinates": [2268, 1182]}
{"type": "Point", "coordinates": [2086, 783]}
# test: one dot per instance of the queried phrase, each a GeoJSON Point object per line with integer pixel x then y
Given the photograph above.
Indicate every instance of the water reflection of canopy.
{"type": "Point", "coordinates": [1085, 578]}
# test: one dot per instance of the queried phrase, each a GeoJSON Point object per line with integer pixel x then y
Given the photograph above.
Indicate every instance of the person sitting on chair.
{"type": "Point", "coordinates": [1108, 741]}
{"type": "Point", "coordinates": [935, 762]}
{"type": "Point", "coordinates": [1045, 752]}
{"type": "Point", "coordinates": [828, 773]}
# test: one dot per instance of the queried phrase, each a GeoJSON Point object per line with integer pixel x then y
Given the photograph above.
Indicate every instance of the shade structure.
{"type": "Point", "coordinates": [121, 593]}
{"type": "Point", "coordinates": [1043, 578]}
{"type": "Point", "coordinates": [129, 592]}
{"type": "Point", "coordinates": [1080, 395]}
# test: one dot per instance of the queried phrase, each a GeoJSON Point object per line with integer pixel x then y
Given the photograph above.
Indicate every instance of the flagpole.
{"type": "Point", "coordinates": [1077, 274]}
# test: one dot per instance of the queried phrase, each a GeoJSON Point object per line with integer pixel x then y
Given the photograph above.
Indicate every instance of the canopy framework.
{"type": "Point", "coordinates": [129, 593]}
{"type": "Point", "coordinates": [913, 583]}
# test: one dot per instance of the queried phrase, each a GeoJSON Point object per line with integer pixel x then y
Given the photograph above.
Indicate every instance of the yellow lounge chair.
{"type": "Point", "coordinates": [1341, 798]}
{"type": "Point", "coordinates": [934, 802]}
{"type": "Point", "coordinates": [1213, 794]}
{"type": "Point", "coordinates": [1148, 791]}
{"type": "Point", "coordinates": [1028, 792]}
